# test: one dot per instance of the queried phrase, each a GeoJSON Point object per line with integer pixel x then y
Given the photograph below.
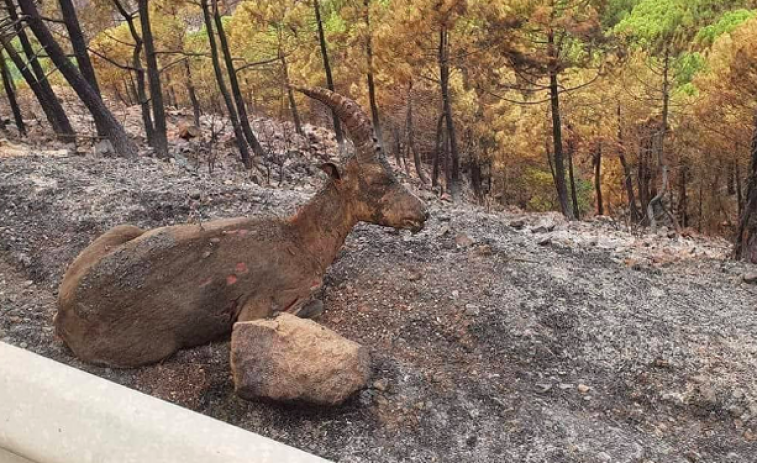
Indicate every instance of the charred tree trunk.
{"type": "Point", "coordinates": [131, 89]}
{"type": "Point", "coordinates": [683, 198]}
{"type": "Point", "coordinates": [627, 180]}
{"type": "Point", "coordinates": [79, 45]}
{"type": "Point", "coordinates": [746, 239]}
{"type": "Point", "coordinates": [236, 91]}
{"type": "Point", "coordinates": [238, 134]}
{"type": "Point", "coordinates": [10, 92]}
{"type": "Point", "coordinates": [731, 183]}
{"type": "Point", "coordinates": [327, 67]}
{"type": "Point", "coordinates": [447, 162]}
{"type": "Point", "coordinates": [140, 89]}
{"type": "Point", "coordinates": [159, 139]}
{"type": "Point", "coordinates": [196, 111]}
{"type": "Point", "coordinates": [701, 208]}
{"type": "Point", "coordinates": [411, 135]}
{"type": "Point", "coordinates": [559, 159]}
{"type": "Point", "coordinates": [36, 79]}
{"type": "Point", "coordinates": [551, 162]}
{"type": "Point", "coordinates": [290, 95]}
{"type": "Point", "coordinates": [437, 151]}
{"type": "Point", "coordinates": [113, 129]}
{"type": "Point", "coordinates": [659, 198]}
{"type": "Point", "coordinates": [573, 194]}
{"type": "Point", "coordinates": [475, 177]}
{"type": "Point", "coordinates": [398, 147]}
{"type": "Point", "coordinates": [739, 191]}
{"type": "Point", "coordinates": [598, 178]}
{"type": "Point", "coordinates": [454, 168]}
{"type": "Point", "coordinates": [170, 92]}
{"type": "Point", "coordinates": [371, 83]}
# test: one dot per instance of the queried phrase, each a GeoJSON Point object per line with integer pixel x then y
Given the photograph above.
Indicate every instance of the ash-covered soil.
{"type": "Point", "coordinates": [492, 340]}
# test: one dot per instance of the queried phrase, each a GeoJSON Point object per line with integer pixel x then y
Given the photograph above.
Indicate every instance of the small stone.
{"type": "Point", "coordinates": [564, 387]}
{"type": "Point", "coordinates": [381, 384]}
{"type": "Point", "coordinates": [104, 148]}
{"type": "Point", "coordinates": [463, 241]}
{"type": "Point", "coordinates": [23, 345]}
{"type": "Point", "coordinates": [455, 294]}
{"type": "Point", "coordinates": [414, 276]}
{"type": "Point", "coordinates": [750, 436]}
{"type": "Point", "coordinates": [583, 388]}
{"type": "Point", "coordinates": [543, 227]}
{"type": "Point", "coordinates": [604, 457]}
{"type": "Point", "coordinates": [446, 198]}
{"type": "Point", "coordinates": [544, 388]}
{"type": "Point", "coordinates": [484, 250]}
{"type": "Point", "coordinates": [28, 283]}
{"type": "Point", "coordinates": [517, 224]}
{"type": "Point", "coordinates": [544, 241]}
{"type": "Point", "coordinates": [472, 310]}
{"type": "Point", "coordinates": [693, 456]}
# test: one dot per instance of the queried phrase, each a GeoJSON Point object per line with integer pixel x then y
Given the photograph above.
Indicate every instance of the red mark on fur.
{"type": "Point", "coordinates": [206, 282]}
{"type": "Point", "coordinates": [241, 268]}
{"type": "Point", "coordinates": [231, 232]}
{"type": "Point", "coordinates": [315, 285]}
{"type": "Point", "coordinates": [231, 279]}
{"type": "Point", "coordinates": [243, 232]}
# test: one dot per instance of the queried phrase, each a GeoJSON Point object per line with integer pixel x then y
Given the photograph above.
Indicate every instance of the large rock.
{"type": "Point", "coordinates": [292, 359]}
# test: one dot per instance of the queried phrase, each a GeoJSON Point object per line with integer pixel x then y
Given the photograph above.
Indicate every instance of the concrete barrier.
{"type": "Point", "coordinates": [52, 413]}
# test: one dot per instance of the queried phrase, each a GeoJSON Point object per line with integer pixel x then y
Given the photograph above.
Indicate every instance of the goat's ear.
{"type": "Point", "coordinates": [332, 170]}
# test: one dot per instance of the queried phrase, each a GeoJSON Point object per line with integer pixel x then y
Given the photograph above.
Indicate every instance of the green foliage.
{"type": "Point", "coordinates": [727, 24]}
{"type": "Point", "coordinates": [617, 10]}
{"type": "Point", "coordinates": [687, 66]}
{"type": "Point", "coordinates": [658, 24]}
{"type": "Point", "coordinates": [542, 190]}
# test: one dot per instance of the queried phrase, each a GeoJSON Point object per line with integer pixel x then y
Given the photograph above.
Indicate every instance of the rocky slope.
{"type": "Point", "coordinates": [495, 336]}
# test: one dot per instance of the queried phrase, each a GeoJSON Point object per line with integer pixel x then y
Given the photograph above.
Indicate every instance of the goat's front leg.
{"type": "Point", "coordinates": [305, 306]}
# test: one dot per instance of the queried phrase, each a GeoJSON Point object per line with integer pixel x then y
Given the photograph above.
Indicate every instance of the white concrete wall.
{"type": "Point", "coordinates": [52, 413]}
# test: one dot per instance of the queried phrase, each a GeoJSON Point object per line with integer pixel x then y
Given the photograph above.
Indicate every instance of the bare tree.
{"type": "Point", "coordinates": [79, 45]}
{"type": "Point", "coordinates": [35, 77]}
{"type": "Point", "coordinates": [10, 93]}
{"type": "Point", "coordinates": [159, 139]}
{"type": "Point", "coordinates": [123, 145]}
{"type": "Point", "coordinates": [746, 240]}
{"type": "Point", "coordinates": [454, 168]}
{"type": "Point", "coordinates": [327, 68]}
{"type": "Point", "coordinates": [232, 111]}
{"type": "Point", "coordinates": [236, 91]}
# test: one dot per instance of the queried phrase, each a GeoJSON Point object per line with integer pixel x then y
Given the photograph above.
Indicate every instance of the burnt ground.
{"type": "Point", "coordinates": [491, 341]}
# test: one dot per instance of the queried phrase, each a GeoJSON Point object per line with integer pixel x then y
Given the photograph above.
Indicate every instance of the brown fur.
{"type": "Point", "coordinates": [135, 297]}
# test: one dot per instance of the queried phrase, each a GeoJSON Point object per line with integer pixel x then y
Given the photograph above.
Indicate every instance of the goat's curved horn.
{"type": "Point", "coordinates": [350, 113]}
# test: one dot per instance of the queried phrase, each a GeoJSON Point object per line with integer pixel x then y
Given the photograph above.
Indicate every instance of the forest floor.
{"type": "Point", "coordinates": [495, 338]}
